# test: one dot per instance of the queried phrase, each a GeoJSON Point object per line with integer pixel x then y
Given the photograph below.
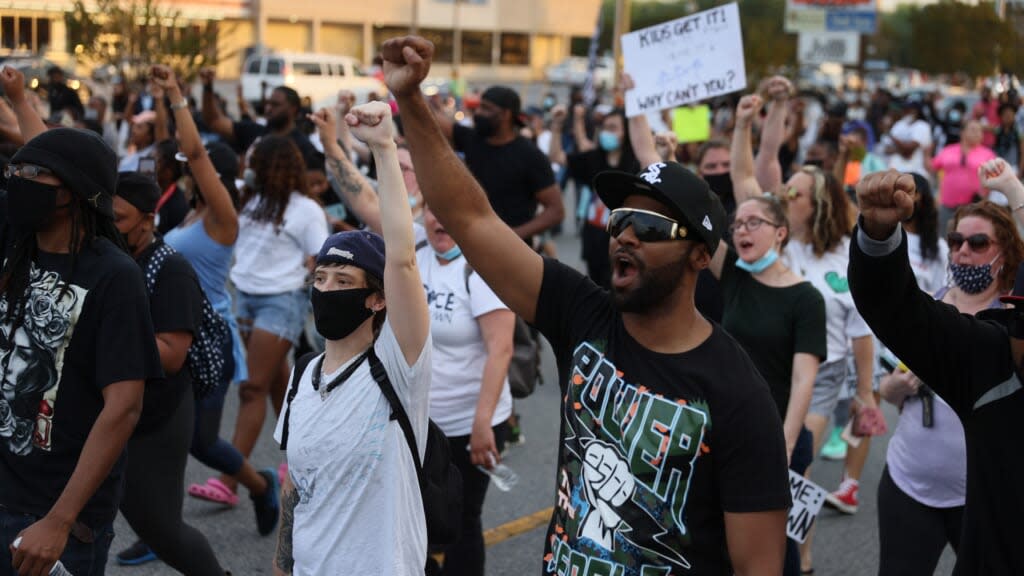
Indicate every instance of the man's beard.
{"type": "Point", "coordinates": [652, 287]}
{"type": "Point", "coordinates": [277, 123]}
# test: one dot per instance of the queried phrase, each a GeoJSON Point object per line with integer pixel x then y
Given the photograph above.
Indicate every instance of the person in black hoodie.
{"type": "Point", "coordinates": [973, 363]}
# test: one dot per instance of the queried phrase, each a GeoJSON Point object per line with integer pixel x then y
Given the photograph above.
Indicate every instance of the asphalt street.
{"type": "Point", "coordinates": [844, 545]}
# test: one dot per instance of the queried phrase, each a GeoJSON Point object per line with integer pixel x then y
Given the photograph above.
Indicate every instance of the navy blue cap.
{"type": "Point", "coordinates": [358, 248]}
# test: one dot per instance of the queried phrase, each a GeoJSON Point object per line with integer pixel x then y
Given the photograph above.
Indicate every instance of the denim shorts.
{"type": "Point", "coordinates": [282, 315]}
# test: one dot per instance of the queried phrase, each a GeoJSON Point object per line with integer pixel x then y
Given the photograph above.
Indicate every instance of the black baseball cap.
{"type": "Point", "coordinates": [507, 98]}
{"type": "Point", "coordinates": [139, 190]}
{"type": "Point", "coordinates": [359, 248]}
{"type": "Point", "coordinates": [697, 208]}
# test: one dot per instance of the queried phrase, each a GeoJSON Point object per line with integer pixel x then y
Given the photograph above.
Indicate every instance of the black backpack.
{"type": "Point", "coordinates": [210, 358]}
{"type": "Point", "coordinates": [439, 477]}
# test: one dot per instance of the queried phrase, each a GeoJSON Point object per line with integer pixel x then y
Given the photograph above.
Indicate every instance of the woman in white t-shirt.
{"type": "Point", "coordinates": [351, 501]}
{"type": "Point", "coordinates": [280, 230]}
{"type": "Point", "coordinates": [470, 400]}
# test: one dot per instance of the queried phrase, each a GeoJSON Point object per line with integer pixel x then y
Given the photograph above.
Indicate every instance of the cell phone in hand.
{"type": "Point", "coordinates": [147, 166]}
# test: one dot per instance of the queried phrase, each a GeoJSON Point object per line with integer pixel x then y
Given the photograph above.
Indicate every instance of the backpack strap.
{"type": "Point", "coordinates": [156, 264]}
{"type": "Point", "coordinates": [380, 376]}
{"type": "Point", "coordinates": [421, 245]}
{"type": "Point", "coordinates": [466, 273]}
{"type": "Point", "coordinates": [293, 389]}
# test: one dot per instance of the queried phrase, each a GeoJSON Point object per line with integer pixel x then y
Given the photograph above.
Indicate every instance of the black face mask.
{"type": "Point", "coordinates": [29, 204]}
{"type": "Point", "coordinates": [277, 123]}
{"type": "Point", "coordinates": [126, 236]}
{"type": "Point", "coordinates": [720, 184]}
{"type": "Point", "coordinates": [815, 162]}
{"type": "Point", "coordinates": [337, 313]}
{"type": "Point", "coordinates": [485, 126]}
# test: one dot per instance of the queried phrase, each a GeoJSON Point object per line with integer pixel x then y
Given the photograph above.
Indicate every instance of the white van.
{"type": "Point", "coordinates": [319, 76]}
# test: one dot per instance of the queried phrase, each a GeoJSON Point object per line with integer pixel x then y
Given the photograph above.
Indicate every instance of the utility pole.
{"type": "Point", "coordinates": [414, 24]}
{"type": "Point", "coordinates": [622, 17]}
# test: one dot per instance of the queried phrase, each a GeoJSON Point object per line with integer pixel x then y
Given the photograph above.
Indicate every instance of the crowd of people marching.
{"type": "Point", "coordinates": [370, 271]}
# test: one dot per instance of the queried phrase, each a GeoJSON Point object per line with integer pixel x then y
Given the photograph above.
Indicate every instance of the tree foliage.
{"type": "Point", "coordinates": [952, 37]}
{"type": "Point", "coordinates": [131, 35]}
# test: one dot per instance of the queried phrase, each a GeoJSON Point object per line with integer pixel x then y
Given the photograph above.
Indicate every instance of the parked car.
{"type": "Point", "coordinates": [35, 68]}
{"type": "Point", "coordinates": [573, 71]}
{"type": "Point", "coordinates": [318, 76]}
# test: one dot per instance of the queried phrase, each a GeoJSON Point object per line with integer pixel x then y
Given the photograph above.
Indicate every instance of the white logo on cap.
{"type": "Point", "coordinates": [339, 252]}
{"type": "Point", "coordinates": [707, 223]}
{"type": "Point", "coordinates": [653, 174]}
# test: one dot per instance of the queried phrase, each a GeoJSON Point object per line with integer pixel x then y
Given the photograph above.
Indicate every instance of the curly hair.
{"type": "Point", "coordinates": [280, 170]}
{"type": "Point", "coordinates": [775, 209]}
{"type": "Point", "coordinates": [1007, 237]}
{"type": "Point", "coordinates": [831, 218]}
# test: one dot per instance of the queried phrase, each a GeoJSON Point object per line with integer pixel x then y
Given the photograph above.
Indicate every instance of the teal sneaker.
{"type": "Point", "coordinates": [835, 448]}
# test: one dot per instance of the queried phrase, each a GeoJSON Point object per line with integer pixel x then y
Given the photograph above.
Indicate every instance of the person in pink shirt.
{"type": "Point", "coordinates": [959, 166]}
{"type": "Point", "coordinates": [986, 111]}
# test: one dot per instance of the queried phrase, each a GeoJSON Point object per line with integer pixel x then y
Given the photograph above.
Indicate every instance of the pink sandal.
{"type": "Point", "coordinates": [214, 491]}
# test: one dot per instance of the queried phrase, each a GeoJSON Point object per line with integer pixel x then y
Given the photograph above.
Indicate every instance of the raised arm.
{"type": "Point", "coordinates": [453, 194]}
{"type": "Point", "coordinates": [579, 129]}
{"type": "Point", "coordinates": [959, 356]}
{"type": "Point", "coordinates": [221, 221]}
{"type": "Point", "coordinates": [210, 109]}
{"type": "Point", "coordinates": [403, 288]}
{"type": "Point", "coordinates": [348, 182]}
{"type": "Point", "coordinates": [557, 152]}
{"type": "Point", "coordinates": [767, 169]}
{"type": "Point", "coordinates": [640, 135]}
{"type": "Point", "coordinates": [9, 130]}
{"type": "Point", "coordinates": [30, 124]}
{"type": "Point", "coordinates": [998, 175]}
{"type": "Point", "coordinates": [161, 128]}
{"type": "Point", "coordinates": [741, 152]}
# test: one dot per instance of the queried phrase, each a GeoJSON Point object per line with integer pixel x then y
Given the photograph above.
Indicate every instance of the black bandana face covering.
{"type": "Point", "coordinates": [337, 313]}
{"type": "Point", "coordinates": [29, 204]}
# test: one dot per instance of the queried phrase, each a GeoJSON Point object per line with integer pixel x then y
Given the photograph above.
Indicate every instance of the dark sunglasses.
{"type": "Point", "coordinates": [976, 242]}
{"type": "Point", "coordinates": [647, 226]}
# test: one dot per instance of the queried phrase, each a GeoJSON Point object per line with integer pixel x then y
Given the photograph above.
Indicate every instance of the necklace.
{"type": "Point", "coordinates": [339, 380]}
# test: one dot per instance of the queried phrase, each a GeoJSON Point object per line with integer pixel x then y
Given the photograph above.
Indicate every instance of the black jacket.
{"type": "Point", "coordinates": [967, 361]}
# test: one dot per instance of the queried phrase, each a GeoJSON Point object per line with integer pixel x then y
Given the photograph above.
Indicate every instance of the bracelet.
{"type": "Point", "coordinates": [179, 105]}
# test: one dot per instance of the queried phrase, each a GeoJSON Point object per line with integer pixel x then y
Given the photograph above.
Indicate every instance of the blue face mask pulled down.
{"type": "Point", "coordinates": [451, 254]}
{"type": "Point", "coordinates": [609, 142]}
{"type": "Point", "coordinates": [759, 265]}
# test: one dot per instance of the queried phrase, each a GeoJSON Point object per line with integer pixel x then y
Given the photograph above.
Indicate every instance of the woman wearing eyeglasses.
{"type": "Point", "coordinates": [923, 487]}
{"type": "Point", "coordinates": [778, 318]}
{"type": "Point", "coordinates": [959, 165]}
{"type": "Point", "coordinates": [820, 219]}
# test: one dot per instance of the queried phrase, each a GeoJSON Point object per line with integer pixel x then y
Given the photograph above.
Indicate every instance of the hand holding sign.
{"type": "Point", "coordinates": [682, 61]}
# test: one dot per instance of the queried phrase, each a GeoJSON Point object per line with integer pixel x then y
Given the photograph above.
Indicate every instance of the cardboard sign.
{"type": "Point", "coordinates": [686, 60]}
{"type": "Point", "coordinates": [692, 123]}
{"type": "Point", "coordinates": [807, 500]}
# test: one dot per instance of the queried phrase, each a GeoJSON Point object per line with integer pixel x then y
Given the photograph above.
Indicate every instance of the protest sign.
{"type": "Point", "coordinates": [686, 60]}
{"type": "Point", "coordinates": [807, 500]}
{"type": "Point", "coordinates": [692, 123]}
{"type": "Point", "coordinates": [819, 48]}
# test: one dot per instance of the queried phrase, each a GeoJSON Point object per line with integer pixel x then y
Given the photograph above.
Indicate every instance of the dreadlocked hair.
{"type": "Point", "coordinates": [831, 218]}
{"type": "Point", "coordinates": [86, 226]}
{"type": "Point", "coordinates": [280, 170]}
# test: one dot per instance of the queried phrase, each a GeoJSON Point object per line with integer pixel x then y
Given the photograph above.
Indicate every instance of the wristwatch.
{"type": "Point", "coordinates": [179, 105]}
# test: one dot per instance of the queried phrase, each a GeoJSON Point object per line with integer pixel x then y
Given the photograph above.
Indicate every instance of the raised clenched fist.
{"type": "Point", "coordinates": [749, 106]}
{"type": "Point", "coordinates": [406, 63]}
{"type": "Point", "coordinates": [608, 485]}
{"type": "Point", "coordinates": [885, 199]}
{"type": "Point", "coordinates": [371, 123]}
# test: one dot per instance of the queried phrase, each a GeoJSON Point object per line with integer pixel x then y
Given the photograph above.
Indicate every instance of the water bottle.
{"type": "Point", "coordinates": [504, 478]}
{"type": "Point", "coordinates": [58, 568]}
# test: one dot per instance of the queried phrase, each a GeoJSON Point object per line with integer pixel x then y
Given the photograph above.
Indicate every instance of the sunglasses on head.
{"type": "Point", "coordinates": [647, 226]}
{"type": "Point", "coordinates": [976, 242]}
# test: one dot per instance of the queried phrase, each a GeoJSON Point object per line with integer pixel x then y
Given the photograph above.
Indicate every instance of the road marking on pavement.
{"type": "Point", "coordinates": [516, 527]}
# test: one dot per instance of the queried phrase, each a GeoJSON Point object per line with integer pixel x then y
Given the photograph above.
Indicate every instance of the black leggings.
{"type": "Point", "coordinates": [911, 535]}
{"type": "Point", "coordinates": [154, 490]}
{"type": "Point", "coordinates": [466, 556]}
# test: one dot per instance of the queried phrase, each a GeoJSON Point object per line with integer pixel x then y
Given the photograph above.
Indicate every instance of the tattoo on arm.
{"type": "Point", "coordinates": [284, 559]}
{"type": "Point", "coordinates": [346, 178]}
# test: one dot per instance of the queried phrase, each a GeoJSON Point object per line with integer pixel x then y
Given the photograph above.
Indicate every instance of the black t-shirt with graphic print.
{"type": "Point", "coordinates": [175, 306]}
{"type": "Point", "coordinates": [655, 448]}
{"type": "Point", "coordinates": [54, 367]}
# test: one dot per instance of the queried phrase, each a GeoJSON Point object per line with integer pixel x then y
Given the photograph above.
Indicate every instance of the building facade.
{"type": "Point", "coordinates": [475, 39]}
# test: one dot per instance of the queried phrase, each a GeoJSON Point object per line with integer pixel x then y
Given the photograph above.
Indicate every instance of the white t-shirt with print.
{"type": "Point", "coordinates": [459, 349]}
{"type": "Point", "coordinates": [271, 259]}
{"type": "Point", "coordinates": [828, 275]}
{"type": "Point", "coordinates": [930, 274]}
{"type": "Point", "coordinates": [359, 510]}
{"type": "Point", "coordinates": [911, 130]}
